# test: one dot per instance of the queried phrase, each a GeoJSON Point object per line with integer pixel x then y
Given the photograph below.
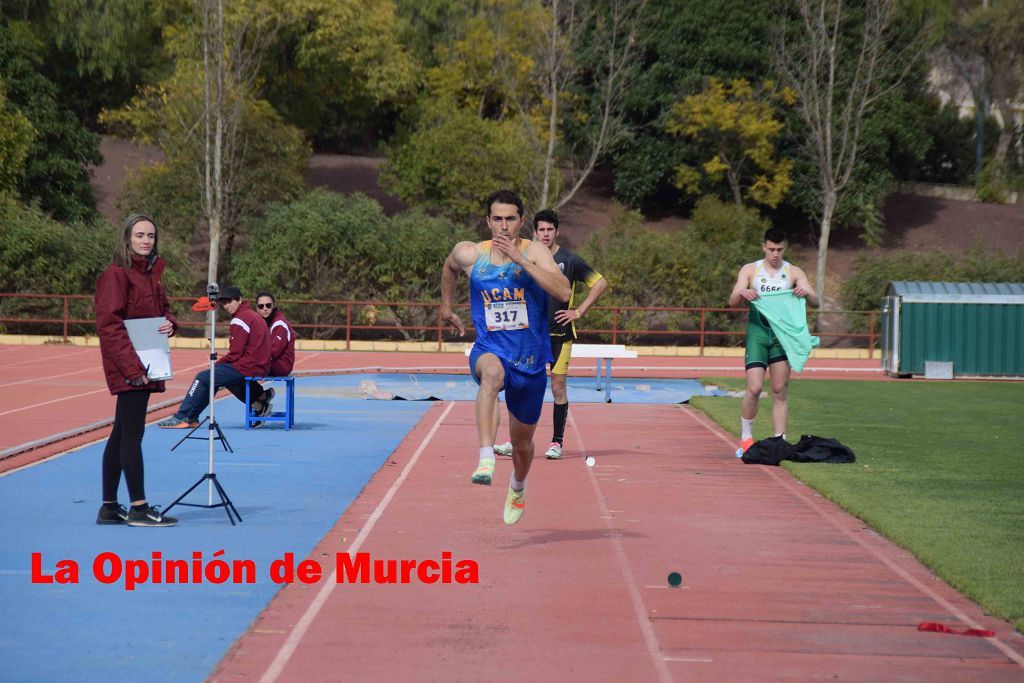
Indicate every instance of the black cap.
{"type": "Point", "coordinates": [229, 293]}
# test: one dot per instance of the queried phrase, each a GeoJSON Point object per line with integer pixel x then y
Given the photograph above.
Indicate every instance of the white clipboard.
{"type": "Point", "coordinates": [152, 346]}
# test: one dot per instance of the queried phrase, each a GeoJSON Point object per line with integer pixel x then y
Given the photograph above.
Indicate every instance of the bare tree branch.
{"type": "Point", "coordinates": [837, 87]}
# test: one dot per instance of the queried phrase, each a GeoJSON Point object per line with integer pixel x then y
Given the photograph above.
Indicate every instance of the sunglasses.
{"type": "Point", "coordinates": [264, 305]}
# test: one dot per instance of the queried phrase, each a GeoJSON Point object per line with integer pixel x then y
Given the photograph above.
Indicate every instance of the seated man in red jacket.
{"type": "Point", "coordinates": [282, 353]}
{"type": "Point", "coordinates": [248, 355]}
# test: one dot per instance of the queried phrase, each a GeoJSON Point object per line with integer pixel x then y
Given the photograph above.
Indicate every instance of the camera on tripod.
{"type": "Point", "coordinates": [212, 291]}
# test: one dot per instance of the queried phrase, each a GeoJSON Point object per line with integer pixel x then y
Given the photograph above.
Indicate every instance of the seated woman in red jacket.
{"type": "Point", "coordinates": [282, 350]}
{"type": "Point", "coordinates": [129, 288]}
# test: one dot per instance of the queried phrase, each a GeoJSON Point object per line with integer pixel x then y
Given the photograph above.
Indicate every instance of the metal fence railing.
{"type": "Point", "coordinates": [67, 315]}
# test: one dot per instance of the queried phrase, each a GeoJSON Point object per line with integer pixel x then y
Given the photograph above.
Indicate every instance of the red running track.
{"type": "Point", "coordinates": [778, 584]}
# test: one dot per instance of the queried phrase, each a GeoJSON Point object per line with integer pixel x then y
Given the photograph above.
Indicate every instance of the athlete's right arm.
{"type": "Point", "coordinates": [741, 291]}
{"type": "Point", "coordinates": [459, 260]}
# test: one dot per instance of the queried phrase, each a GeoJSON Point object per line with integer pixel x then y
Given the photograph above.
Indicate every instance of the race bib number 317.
{"type": "Point", "coordinates": [506, 315]}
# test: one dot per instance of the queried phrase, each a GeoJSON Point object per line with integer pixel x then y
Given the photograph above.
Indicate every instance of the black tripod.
{"type": "Point", "coordinates": [212, 291]}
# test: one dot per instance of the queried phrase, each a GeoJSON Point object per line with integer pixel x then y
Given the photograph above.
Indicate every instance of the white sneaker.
{"type": "Point", "coordinates": [503, 449]}
{"type": "Point", "coordinates": [554, 451]}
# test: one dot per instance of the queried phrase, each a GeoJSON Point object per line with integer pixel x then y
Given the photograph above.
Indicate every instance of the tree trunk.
{"type": "Point", "coordinates": [734, 184]}
{"type": "Point", "coordinates": [211, 270]}
{"type": "Point", "coordinates": [549, 156]}
{"type": "Point", "coordinates": [1005, 134]}
{"type": "Point", "coordinates": [828, 210]}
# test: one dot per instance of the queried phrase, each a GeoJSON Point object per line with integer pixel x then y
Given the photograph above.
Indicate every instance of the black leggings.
{"type": "Point", "coordinates": [123, 452]}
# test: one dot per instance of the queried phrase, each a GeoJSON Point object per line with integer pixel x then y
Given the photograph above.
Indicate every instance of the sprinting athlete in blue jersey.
{"type": "Point", "coordinates": [509, 282]}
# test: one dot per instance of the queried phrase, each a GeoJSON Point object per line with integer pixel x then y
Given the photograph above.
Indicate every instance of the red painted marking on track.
{"type": "Point", "coordinates": [832, 516]}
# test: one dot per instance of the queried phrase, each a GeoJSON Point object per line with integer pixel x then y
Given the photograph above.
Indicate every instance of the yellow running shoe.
{"type": "Point", "coordinates": [484, 473]}
{"type": "Point", "coordinates": [515, 505]}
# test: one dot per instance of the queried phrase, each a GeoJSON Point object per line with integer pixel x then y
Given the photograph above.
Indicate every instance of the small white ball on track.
{"type": "Point", "coordinates": [590, 461]}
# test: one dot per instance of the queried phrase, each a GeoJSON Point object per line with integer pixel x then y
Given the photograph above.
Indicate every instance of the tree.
{"type": "Point", "coordinates": [37, 255]}
{"type": "Point", "coordinates": [55, 171]}
{"type": "Point", "coordinates": [16, 134]}
{"type": "Point", "coordinates": [738, 127]}
{"type": "Point", "coordinates": [330, 246]}
{"type": "Point", "coordinates": [225, 148]}
{"type": "Point", "coordinates": [839, 63]}
{"type": "Point", "coordinates": [559, 69]}
{"type": "Point", "coordinates": [96, 52]}
{"type": "Point", "coordinates": [680, 45]}
{"type": "Point", "coordinates": [455, 159]}
{"type": "Point", "coordinates": [582, 57]}
{"type": "Point", "coordinates": [337, 68]}
{"type": "Point", "coordinates": [984, 43]}
{"type": "Point", "coordinates": [695, 268]}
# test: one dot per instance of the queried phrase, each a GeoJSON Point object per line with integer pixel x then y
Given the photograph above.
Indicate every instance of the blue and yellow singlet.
{"type": "Point", "coordinates": [509, 311]}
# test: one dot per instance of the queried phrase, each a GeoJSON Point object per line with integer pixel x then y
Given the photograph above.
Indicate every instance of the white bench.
{"type": "Point", "coordinates": [602, 352]}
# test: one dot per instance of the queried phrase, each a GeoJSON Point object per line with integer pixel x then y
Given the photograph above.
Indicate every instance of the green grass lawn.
{"type": "Point", "coordinates": [940, 471]}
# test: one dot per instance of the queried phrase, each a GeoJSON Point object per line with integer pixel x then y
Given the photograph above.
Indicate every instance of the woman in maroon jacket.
{"type": "Point", "coordinates": [282, 351]}
{"type": "Point", "coordinates": [129, 288]}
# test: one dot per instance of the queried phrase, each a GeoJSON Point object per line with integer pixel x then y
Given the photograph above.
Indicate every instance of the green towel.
{"type": "Point", "coordinates": [787, 315]}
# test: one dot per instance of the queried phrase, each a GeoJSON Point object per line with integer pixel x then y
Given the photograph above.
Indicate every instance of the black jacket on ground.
{"type": "Point", "coordinates": [808, 449]}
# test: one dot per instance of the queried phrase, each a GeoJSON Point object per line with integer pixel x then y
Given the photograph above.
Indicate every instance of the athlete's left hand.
{"type": "Point", "coordinates": [566, 316]}
{"type": "Point", "coordinates": [800, 291]}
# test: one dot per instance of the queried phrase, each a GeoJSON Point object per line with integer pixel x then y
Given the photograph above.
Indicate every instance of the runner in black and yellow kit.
{"type": "Point", "coordinates": [561, 316]}
{"type": "Point", "coordinates": [770, 274]}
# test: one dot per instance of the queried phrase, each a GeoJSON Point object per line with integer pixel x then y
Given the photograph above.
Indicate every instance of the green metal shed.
{"type": "Point", "coordinates": [947, 329]}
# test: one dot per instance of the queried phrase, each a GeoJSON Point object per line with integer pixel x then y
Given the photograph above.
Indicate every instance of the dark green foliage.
{"type": "Point", "coordinates": [455, 159]}
{"type": "Point", "coordinates": [328, 246]}
{"type": "Point", "coordinates": [690, 268]}
{"type": "Point", "coordinates": [55, 172]}
{"type": "Point", "coordinates": [864, 291]}
{"type": "Point", "coordinates": [685, 43]}
{"type": "Point", "coordinates": [950, 156]}
{"type": "Point", "coordinates": [41, 255]}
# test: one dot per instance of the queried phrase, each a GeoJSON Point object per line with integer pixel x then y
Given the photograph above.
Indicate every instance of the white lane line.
{"type": "Point", "coordinates": [104, 390]}
{"type": "Point", "coordinates": [831, 519]}
{"type": "Point", "coordinates": [687, 659]}
{"type": "Point", "coordinates": [31, 361]}
{"type": "Point", "coordinates": [302, 626]}
{"type": "Point", "coordinates": [653, 647]}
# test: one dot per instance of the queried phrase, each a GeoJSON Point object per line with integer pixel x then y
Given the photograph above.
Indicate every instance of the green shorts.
{"type": "Point", "coordinates": [763, 347]}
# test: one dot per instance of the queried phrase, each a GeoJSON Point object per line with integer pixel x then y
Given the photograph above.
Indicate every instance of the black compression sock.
{"type": "Point", "coordinates": [561, 414]}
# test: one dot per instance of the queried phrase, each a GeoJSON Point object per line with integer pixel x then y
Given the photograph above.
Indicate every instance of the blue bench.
{"type": "Point", "coordinates": [287, 416]}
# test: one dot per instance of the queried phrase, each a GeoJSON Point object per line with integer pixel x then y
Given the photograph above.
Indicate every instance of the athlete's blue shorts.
{"type": "Point", "coordinates": [524, 394]}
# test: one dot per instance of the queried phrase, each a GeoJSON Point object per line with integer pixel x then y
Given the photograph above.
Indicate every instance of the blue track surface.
{"type": "Point", "coordinates": [289, 487]}
{"type": "Point", "coordinates": [463, 388]}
